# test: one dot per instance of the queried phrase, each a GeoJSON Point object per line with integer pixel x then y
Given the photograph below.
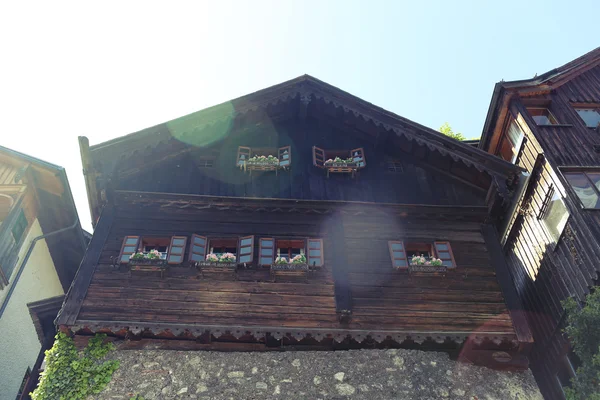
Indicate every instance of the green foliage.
{"type": "Point", "coordinates": [70, 375]}
{"type": "Point", "coordinates": [137, 397]}
{"type": "Point", "coordinates": [447, 130]}
{"type": "Point", "coordinates": [584, 333]}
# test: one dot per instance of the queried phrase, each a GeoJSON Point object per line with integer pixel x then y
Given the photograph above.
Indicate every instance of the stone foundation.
{"type": "Point", "coordinates": [354, 374]}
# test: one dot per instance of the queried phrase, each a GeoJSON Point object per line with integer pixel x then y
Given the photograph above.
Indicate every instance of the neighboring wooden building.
{"type": "Point", "coordinates": [191, 187]}
{"type": "Point", "coordinates": [549, 125]}
{"type": "Point", "coordinates": [41, 246]}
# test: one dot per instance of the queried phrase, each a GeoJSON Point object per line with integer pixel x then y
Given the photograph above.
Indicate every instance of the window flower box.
{"type": "Point", "coordinates": [257, 159]}
{"type": "Point", "coordinates": [151, 261]}
{"type": "Point", "coordinates": [297, 266]}
{"type": "Point", "coordinates": [225, 263]}
{"type": "Point", "coordinates": [420, 264]}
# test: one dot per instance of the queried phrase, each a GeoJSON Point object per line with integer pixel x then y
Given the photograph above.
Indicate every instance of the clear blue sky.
{"type": "Point", "coordinates": [111, 68]}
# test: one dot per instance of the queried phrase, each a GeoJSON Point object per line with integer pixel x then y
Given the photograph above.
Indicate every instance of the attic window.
{"type": "Point", "coordinates": [394, 166]}
{"type": "Point", "coordinates": [542, 116]}
{"type": "Point", "coordinates": [159, 244]}
{"type": "Point", "coordinates": [590, 115]}
{"type": "Point", "coordinates": [219, 247]}
{"type": "Point", "coordinates": [339, 161]}
{"type": "Point", "coordinates": [288, 249]}
{"type": "Point", "coordinates": [206, 163]}
{"type": "Point", "coordinates": [264, 159]}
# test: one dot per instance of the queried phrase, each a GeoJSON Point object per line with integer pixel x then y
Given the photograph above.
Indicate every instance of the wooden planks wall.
{"type": "Point", "coordinates": [545, 274]}
{"type": "Point", "coordinates": [415, 184]}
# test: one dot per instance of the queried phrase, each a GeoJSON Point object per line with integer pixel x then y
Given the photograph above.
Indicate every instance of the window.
{"type": "Point", "coordinates": [283, 154]}
{"type": "Point", "coordinates": [205, 163]}
{"type": "Point", "coordinates": [567, 369]}
{"type": "Point", "coordinates": [171, 249]}
{"type": "Point", "coordinates": [401, 253]}
{"type": "Point", "coordinates": [542, 116]}
{"type": "Point", "coordinates": [288, 249]}
{"type": "Point", "coordinates": [590, 116]}
{"type": "Point", "coordinates": [159, 244]}
{"type": "Point", "coordinates": [553, 213]}
{"type": "Point", "coordinates": [20, 226]}
{"type": "Point", "coordinates": [419, 249]}
{"type": "Point", "coordinates": [586, 185]}
{"type": "Point", "coordinates": [219, 247]}
{"type": "Point", "coordinates": [312, 249]}
{"type": "Point", "coordinates": [394, 166]}
{"type": "Point", "coordinates": [510, 146]}
{"type": "Point", "coordinates": [355, 156]}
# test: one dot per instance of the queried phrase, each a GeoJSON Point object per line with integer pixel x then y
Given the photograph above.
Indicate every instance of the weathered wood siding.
{"type": "Point", "coordinates": [416, 184]}
{"type": "Point", "coordinates": [467, 300]}
{"type": "Point", "coordinates": [545, 274]}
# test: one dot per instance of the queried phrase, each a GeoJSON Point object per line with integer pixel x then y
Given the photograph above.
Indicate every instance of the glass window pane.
{"type": "Point", "coordinates": [556, 217]}
{"type": "Point", "coordinates": [266, 243]}
{"type": "Point", "coordinates": [266, 252]}
{"type": "Point", "coordinates": [314, 253]}
{"type": "Point", "coordinates": [400, 263]}
{"type": "Point", "coordinates": [125, 257]}
{"type": "Point", "coordinates": [266, 260]}
{"type": "Point", "coordinates": [132, 241]}
{"type": "Point", "coordinates": [399, 254]}
{"type": "Point", "coordinates": [589, 116]}
{"type": "Point", "coordinates": [595, 178]}
{"type": "Point", "coordinates": [584, 190]}
{"type": "Point", "coordinates": [245, 250]}
{"type": "Point", "coordinates": [314, 244]}
{"type": "Point", "coordinates": [176, 250]}
{"type": "Point", "coordinates": [246, 242]}
{"type": "Point", "coordinates": [196, 257]}
{"type": "Point", "coordinates": [178, 242]}
{"type": "Point", "coordinates": [397, 246]}
{"type": "Point", "coordinates": [442, 247]}
{"type": "Point", "coordinates": [198, 249]}
{"type": "Point", "coordinates": [200, 241]}
{"type": "Point", "coordinates": [447, 263]}
{"type": "Point", "coordinates": [129, 249]}
{"type": "Point", "coordinates": [173, 258]}
{"type": "Point", "coordinates": [245, 259]}
{"type": "Point", "coordinates": [443, 254]}
{"type": "Point", "coordinates": [314, 261]}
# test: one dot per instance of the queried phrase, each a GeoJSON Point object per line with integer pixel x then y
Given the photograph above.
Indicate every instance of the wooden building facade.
{"type": "Point", "coordinates": [351, 191]}
{"type": "Point", "coordinates": [549, 125]}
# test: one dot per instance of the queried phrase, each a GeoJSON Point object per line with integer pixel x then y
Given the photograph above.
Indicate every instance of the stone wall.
{"type": "Point", "coordinates": [356, 374]}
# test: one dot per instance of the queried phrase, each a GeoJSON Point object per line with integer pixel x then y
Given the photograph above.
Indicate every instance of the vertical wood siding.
{"type": "Point", "coordinates": [545, 274]}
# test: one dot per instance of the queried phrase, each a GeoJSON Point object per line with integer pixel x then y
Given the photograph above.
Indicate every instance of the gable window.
{"type": "Point", "coordinates": [355, 157]}
{"type": "Point", "coordinates": [553, 213]}
{"type": "Point", "coordinates": [264, 159]}
{"type": "Point", "coordinates": [542, 116]}
{"type": "Point", "coordinates": [590, 116]}
{"type": "Point", "coordinates": [511, 143]}
{"type": "Point", "coordinates": [394, 166]}
{"type": "Point", "coordinates": [586, 185]}
{"type": "Point", "coordinates": [159, 244]}
{"type": "Point", "coordinates": [401, 253]}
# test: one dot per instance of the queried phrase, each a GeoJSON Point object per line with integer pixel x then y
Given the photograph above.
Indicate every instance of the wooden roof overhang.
{"type": "Point", "coordinates": [303, 97]}
{"type": "Point", "coordinates": [147, 202]}
{"type": "Point", "coordinates": [543, 84]}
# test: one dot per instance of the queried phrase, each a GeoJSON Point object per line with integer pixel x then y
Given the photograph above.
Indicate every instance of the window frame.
{"type": "Point", "coordinates": [515, 149]}
{"type": "Point", "coordinates": [22, 223]}
{"type": "Point", "coordinates": [550, 116]}
{"type": "Point", "coordinates": [273, 248]}
{"type": "Point", "coordinates": [583, 171]}
{"type": "Point", "coordinates": [309, 248]}
{"type": "Point", "coordinates": [124, 244]}
{"type": "Point", "coordinates": [393, 258]}
{"type": "Point", "coordinates": [450, 251]}
{"type": "Point", "coordinates": [240, 248]}
{"type": "Point", "coordinates": [590, 107]}
{"type": "Point", "coordinates": [544, 210]}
